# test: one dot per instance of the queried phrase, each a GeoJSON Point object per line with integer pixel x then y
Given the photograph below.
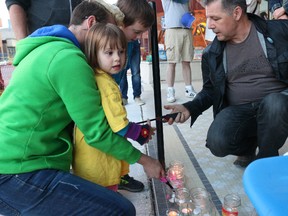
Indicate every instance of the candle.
{"type": "Point", "coordinates": [186, 211]}
{"type": "Point", "coordinates": [176, 174]}
{"type": "Point", "coordinates": [172, 212]}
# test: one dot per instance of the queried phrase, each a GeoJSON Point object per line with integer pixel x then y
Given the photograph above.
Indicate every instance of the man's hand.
{"type": "Point", "coordinates": [152, 167]}
{"type": "Point", "coordinates": [278, 13]}
{"type": "Point", "coordinates": [283, 17]}
{"type": "Point", "coordinates": [181, 117]}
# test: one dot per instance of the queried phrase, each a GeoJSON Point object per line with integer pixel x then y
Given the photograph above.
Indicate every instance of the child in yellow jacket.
{"type": "Point", "coordinates": [105, 49]}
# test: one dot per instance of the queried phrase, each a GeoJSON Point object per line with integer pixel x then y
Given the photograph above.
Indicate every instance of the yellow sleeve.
{"type": "Point", "coordinates": [111, 101]}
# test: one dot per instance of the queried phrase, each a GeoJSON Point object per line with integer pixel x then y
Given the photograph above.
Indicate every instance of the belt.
{"type": "Point", "coordinates": [179, 28]}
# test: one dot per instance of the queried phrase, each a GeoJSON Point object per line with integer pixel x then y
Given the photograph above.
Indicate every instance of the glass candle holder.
{"type": "Point", "coordinates": [175, 174]}
{"type": "Point", "coordinates": [177, 167]}
{"type": "Point", "coordinates": [186, 208]}
{"type": "Point", "coordinates": [230, 205]}
{"type": "Point", "coordinates": [182, 196]}
{"type": "Point", "coordinates": [201, 198]}
{"type": "Point", "coordinates": [183, 200]}
{"type": "Point", "coordinates": [172, 212]}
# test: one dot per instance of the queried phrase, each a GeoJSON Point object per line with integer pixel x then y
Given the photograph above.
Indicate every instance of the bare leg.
{"type": "Point", "coordinates": [170, 82]}
{"type": "Point", "coordinates": [187, 75]}
{"type": "Point", "coordinates": [171, 74]}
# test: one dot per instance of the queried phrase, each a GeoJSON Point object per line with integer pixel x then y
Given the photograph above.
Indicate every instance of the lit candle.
{"type": "Point", "coordinates": [186, 211]}
{"type": "Point", "coordinates": [176, 176]}
{"type": "Point", "coordinates": [177, 169]}
{"type": "Point", "coordinates": [172, 212]}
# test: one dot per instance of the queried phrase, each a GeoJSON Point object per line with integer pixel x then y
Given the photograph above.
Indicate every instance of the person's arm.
{"type": "Point", "coordinates": [278, 10]}
{"type": "Point", "coordinates": [115, 112]}
{"type": "Point", "coordinates": [282, 12]}
{"type": "Point", "coordinates": [18, 21]}
{"type": "Point", "coordinates": [140, 133]}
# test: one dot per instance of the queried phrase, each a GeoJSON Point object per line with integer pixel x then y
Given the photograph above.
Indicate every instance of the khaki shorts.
{"type": "Point", "coordinates": [179, 45]}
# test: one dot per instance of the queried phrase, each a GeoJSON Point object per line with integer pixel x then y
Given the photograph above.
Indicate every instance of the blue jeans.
{"type": "Point", "coordinates": [238, 130]}
{"type": "Point", "coordinates": [53, 192]}
{"type": "Point", "coordinates": [134, 63]}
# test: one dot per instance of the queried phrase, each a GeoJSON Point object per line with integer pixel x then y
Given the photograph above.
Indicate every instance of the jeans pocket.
{"type": "Point", "coordinates": [5, 209]}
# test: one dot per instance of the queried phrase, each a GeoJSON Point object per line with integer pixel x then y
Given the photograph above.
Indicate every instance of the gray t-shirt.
{"type": "Point", "coordinates": [249, 73]}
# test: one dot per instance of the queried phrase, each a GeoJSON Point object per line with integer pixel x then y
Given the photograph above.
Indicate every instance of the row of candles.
{"type": "Point", "coordinates": [194, 202]}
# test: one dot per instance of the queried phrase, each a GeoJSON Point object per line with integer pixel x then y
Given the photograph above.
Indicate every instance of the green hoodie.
{"type": "Point", "coordinates": [51, 86]}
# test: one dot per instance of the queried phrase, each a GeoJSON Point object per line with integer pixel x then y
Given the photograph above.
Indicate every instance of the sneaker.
{"type": "Point", "coordinates": [124, 101]}
{"type": "Point", "coordinates": [190, 93]}
{"type": "Point", "coordinates": [139, 101]}
{"type": "Point", "coordinates": [130, 184]}
{"type": "Point", "coordinates": [171, 95]}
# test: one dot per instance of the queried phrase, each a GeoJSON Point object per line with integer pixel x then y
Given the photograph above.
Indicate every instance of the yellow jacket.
{"type": "Point", "coordinates": [89, 162]}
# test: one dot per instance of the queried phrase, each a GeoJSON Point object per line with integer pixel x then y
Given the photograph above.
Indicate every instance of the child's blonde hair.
{"type": "Point", "coordinates": [100, 36]}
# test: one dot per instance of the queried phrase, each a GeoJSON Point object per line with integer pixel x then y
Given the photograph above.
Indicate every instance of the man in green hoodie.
{"type": "Point", "coordinates": [44, 96]}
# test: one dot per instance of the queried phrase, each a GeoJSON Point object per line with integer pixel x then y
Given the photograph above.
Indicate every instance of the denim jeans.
{"type": "Point", "coordinates": [134, 64]}
{"type": "Point", "coordinates": [236, 128]}
{"type": "Point", "coordinates": [52, 192]}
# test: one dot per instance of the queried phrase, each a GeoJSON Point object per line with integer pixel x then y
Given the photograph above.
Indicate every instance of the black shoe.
{"type": "Point", "coordinates": [130, 184]}
{"type": "Point", "coordinates": [244, 161]}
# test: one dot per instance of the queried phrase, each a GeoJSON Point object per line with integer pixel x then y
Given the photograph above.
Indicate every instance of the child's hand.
{"type": "Point", "coordinates": [146, 133]}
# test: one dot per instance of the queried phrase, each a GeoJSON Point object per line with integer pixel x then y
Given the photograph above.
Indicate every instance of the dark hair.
{"type": "Point", "coordinates": [229, 5]}
{"type": "Point", "coordinates": [89, 8]}
{"type": "Point", "coordinates": [101, 35]}
{"type": "Point", "coordinates": [137, 10]}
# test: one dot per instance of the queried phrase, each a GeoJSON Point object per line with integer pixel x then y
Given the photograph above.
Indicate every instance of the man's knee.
{"type": "Point", "coordinates": [274, 103]}
{"type": "Point", "coordinates": [216, 145]}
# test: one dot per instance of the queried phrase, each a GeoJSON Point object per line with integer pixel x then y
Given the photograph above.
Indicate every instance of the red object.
{"type": "Point", "coordinates": [228, 213]}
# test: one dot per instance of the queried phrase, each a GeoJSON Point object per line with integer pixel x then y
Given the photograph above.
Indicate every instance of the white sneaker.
{"type": "Point", "coordinates": [190, 93]}
{"type": "Point", "coordinates": [171, 95]}
{"type": "Point", "coordinates": [139, 101]}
